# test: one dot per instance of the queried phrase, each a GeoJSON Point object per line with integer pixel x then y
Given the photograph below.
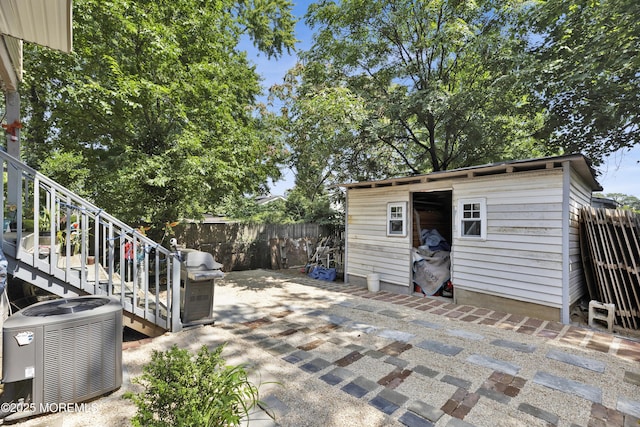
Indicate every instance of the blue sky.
{"type": "Point", "coordinates": [619, 174]}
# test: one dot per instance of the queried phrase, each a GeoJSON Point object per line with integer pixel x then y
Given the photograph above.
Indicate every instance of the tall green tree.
{"type": "Point", "coordinates": [320, 123]}
{"type": "Point", "coordinates": [435, 81]}
{"type": "Point", "coordinates": [156, 104]}
{"type": "Point", "coordinates": [585, 73]}
{"type": "Point", "coordinates": [297, 208]}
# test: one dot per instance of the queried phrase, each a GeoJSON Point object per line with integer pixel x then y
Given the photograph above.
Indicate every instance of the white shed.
{"type": "Point", "coordinates": [512, 229]}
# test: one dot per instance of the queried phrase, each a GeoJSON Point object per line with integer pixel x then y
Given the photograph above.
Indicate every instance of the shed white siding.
{"type": "Point", "coordinates": [522, 256]}
{"type": "Point", "coordinates": [527, 250]}
{"type": "Point", "coordinates": [370, 250]}
{"type": "Point", "coordinates": [580, 195]}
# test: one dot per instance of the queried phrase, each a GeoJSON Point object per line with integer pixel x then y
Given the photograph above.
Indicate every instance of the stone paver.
{"type": "Point", "coordinates": [365, 383]}
{"type": "Point", "coordinates": [297, 356]}
{"type": "Point", "coordinates": [555, 382]}
{"type": "Point", "coordinates": [393, 396]}
{"type": "Point", "coordinates": [439, 347]}
{"type": "Point", "coordinates": [337, 320]}
{"type": "Point", "coordinates": [460, 404]}
{"type": "Point", "coordinates": [393, 313]}
{"type": "Point", "coordinates": [517, 346]}
{"type": "Point", "coordinates": [426, 324]}
{"type": "Point", "coordinates": [281, 348]}
{"type": "Point", "coordinates": [350, 346]}
{"type": "Point", "coordinates": [425, 410]}
{"type": "Point", "coordinates": [632, 377]}
{"type": "Point", "coordinates": [311, 345]}
{"type": "Point", "coordinates": [395, 348]}
{"type": "Point", "coordinates": [359, 387]}
{"type": "Point", "coordinates": [256, 337]}
{"type": "Point", "coordinates": [539, 413]}
{"type": "Point", "coordinates": [580, 361]}
{"type": "Point", "coordinates": [364, 307]}
{"type": "Point", "coordinates": [336, 376]}
{"type": "Point", "coordinates": [315, 365]}
{"type": "Point", "coordinates": [349, 359]}
{"type": "Point", "coordinates": [465, 334]}
{"type": "Point", "coordinates": [509, 385]}
{"type": "Point", "coordinates": [490, 362]}
{"type": "Point", "coordinates": [427, 372]}
{"type": "Point", "coordinates": [363, 327]}
{"type": "Point", "coordinates": [396, 335]}
{"type": "Point", "coordinates": [410, 419]}
{"type": "Point", "coordinates": [454, 422]}
{"type": "Point", "coordinates": [493, 395]}
{"type": "Point", "coordinates": [394, 378]}
{"type": "Point", "coordinates": [458, 382]}
{"type": "Point", "coordinates": [383, 405]}
{"type": "Point", "coordinates": [354, 390]}
{"type": "Point", "coordinates": [395, 361]}
{"type": "Point", "coordinates": [375, 354]}
{"type": "Point", "coordinates": [628, 406]}
{"type": "Point", "coordinates": [331, 378]}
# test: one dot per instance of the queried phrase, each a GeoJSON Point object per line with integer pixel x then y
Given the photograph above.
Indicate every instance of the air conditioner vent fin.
{"type": "Point", "coordinates": [68, 368]}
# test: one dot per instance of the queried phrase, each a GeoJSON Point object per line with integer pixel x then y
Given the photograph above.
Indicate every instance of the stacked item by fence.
{"type": "Point", "coordinates": [610, 245]}
{"type": "Point", "coordinates": [323, 263]}
{"type": "Point", "coordinates": [432, 264]}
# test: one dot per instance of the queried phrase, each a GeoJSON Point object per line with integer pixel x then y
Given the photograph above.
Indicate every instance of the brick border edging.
{"type": "Point", "coordinates": [623, 347]}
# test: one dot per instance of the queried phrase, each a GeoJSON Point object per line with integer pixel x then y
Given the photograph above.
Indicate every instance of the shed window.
{"type": "Point", "coordinates": [397, 219]}
{"type": "Point", "coordinates": [473, 218]}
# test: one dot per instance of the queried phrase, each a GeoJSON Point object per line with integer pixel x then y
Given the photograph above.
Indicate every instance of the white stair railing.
{"type": "Point", "coordinates": [49, 229]}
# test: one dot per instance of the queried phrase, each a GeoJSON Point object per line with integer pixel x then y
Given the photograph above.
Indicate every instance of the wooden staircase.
{"type": "Point", "coordinates": [65, 245]}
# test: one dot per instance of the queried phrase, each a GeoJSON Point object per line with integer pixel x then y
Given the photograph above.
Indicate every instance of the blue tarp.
{"type": "Point", "coordinates": [323, 273]}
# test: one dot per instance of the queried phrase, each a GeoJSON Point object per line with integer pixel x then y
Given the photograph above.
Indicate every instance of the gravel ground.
{"type": "Point", "coordinates": [245, 296]}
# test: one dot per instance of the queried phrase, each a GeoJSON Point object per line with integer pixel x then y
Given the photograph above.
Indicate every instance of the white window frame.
{"type": "Point", "coordinates": [477, 212]}
{"type": "Point", "coordinates": [395, 218]}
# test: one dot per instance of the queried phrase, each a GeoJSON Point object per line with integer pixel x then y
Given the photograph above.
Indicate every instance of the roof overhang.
{"type": "Point", "coordinates": [44, 22]}
{"type": "Point", "coordinates": [579, 162]}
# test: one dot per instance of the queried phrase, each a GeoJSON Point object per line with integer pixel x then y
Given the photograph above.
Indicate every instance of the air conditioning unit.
{"type": "Point", "coordinates": [61, 352]}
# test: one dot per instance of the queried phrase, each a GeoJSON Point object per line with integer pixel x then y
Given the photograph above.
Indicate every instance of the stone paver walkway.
{"type": "Point", "coordinates": [426, 362]}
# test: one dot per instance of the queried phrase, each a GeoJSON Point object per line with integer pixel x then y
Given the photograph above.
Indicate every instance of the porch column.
{"type": "Point", "coordinates": [12, 133]}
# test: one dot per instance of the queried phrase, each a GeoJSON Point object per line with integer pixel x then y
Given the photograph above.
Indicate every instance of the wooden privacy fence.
{"type": "Point", "coordinates": [610, 242]}
{"type": "Point", "coordinates": [250, 246]}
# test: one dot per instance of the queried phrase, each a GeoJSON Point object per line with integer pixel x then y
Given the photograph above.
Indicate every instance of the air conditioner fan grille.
{"type": "Point", "coordinates": [64, 306]}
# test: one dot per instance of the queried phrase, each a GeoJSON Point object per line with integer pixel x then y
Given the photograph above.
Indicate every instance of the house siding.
{"type": "Point", "coordinates": [522, 256]}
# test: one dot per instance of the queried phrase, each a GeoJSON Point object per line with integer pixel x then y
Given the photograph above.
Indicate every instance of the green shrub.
{"type": "Point", "coordinates": [181, 390]}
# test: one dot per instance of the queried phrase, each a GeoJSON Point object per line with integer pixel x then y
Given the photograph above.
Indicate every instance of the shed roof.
{"type": "Point", "coordinates": [579, 162]}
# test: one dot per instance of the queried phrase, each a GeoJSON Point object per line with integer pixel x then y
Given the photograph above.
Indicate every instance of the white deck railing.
{"type": "Point", "coordinates": [64, 243]}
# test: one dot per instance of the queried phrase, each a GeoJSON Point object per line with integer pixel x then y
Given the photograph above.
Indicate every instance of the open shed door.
{"type": "Point", "coordinates": [431, 242]}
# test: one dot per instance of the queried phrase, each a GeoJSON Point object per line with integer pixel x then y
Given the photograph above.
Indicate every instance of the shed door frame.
{"type": "Point", "coordinates": [430, 201]}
